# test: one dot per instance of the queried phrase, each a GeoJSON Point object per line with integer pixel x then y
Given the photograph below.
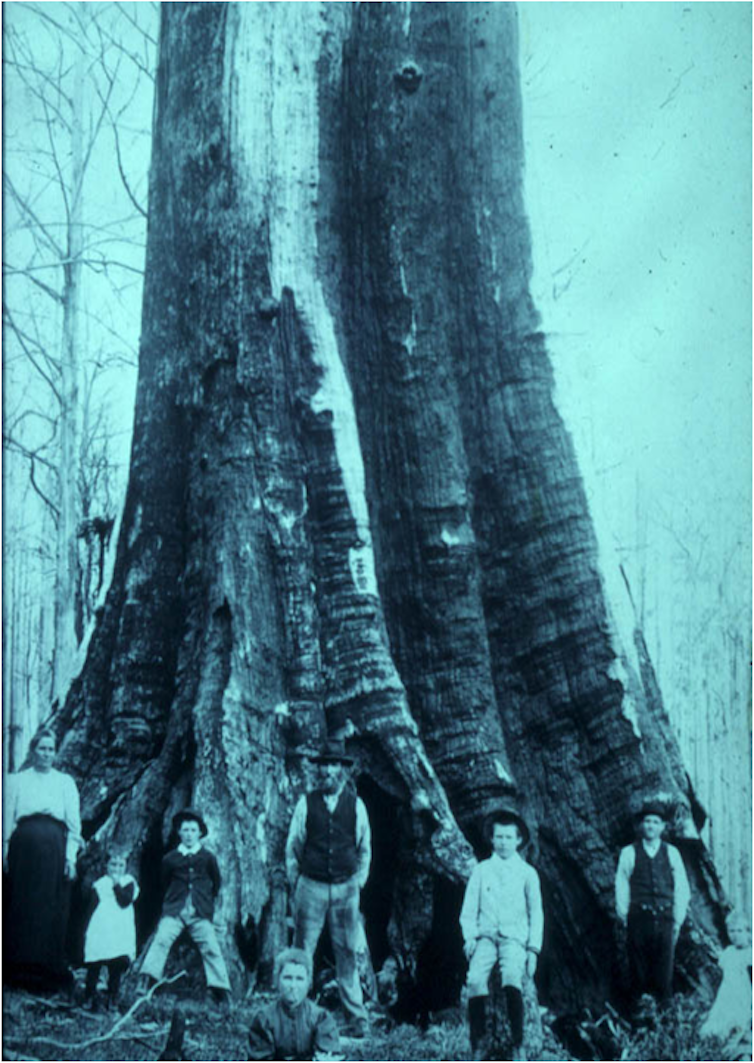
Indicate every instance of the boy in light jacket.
{"type": "Point", "coordinates": [501, 921]}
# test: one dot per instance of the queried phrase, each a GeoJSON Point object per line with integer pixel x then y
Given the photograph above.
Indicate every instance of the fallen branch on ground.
{"type": "Point", "coordinates": [117, 1026]}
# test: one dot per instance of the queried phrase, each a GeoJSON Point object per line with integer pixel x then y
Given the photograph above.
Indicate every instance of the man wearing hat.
{"type": "Point", "coordinates": [651, 898]}
{"type": "Point", "coordinates": [501, 921]}
{"type": "Point", "coordinates": [327, 854]}
{"type": "Point", "coordinates": [191, 881]}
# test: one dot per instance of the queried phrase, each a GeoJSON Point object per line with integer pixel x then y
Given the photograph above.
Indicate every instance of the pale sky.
{"type": "Point", "coordinates": [637, 119]}
{"type": "Point", "coordinates": [638, 131]}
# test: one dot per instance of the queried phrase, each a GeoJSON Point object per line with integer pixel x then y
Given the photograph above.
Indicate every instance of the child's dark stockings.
{"type": "Point", "coordinates": [116, 969]}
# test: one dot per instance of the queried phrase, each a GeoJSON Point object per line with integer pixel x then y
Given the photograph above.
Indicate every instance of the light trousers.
{"type": "Point", "coordinates": [512, 959]}
{"type": "Point", "coordinates": [202, 933]}
{"type": "Point", "coordinates": [313, 902]}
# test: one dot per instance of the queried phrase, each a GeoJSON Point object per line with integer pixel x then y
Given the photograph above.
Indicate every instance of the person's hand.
{"type": "Point", "coordinates": [70, 869]}
{"type": "Point", "coordinates": [531, 963]}
{"type": "Point", "coordinates": [468, 949]}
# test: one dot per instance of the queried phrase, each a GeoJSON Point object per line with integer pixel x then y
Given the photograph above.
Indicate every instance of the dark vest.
{"type": "Point", "coordinates": [652, 880]}
{"type": "Point", "coordinates": [330, 849]}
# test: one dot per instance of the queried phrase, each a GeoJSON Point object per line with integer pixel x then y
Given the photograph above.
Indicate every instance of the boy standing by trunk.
{"type": "Point", "coordinates": [501, 921]}
{"type": "Point", "coordinates": [191, 882]}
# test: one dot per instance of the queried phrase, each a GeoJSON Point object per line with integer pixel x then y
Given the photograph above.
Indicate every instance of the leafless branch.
{"type": "Point", "coordinates": [16, 420]}
{"type": "Point", "coordinates": [8, 317]}
{"type": "Point", "coordinates": [58, 26]}
{"type": "Point", "coordinates": [98, 124]}
{"type": "Point", "coordinates": [11, 272]}
{"type": "Point", "coordinates": [27, 342]}
{"type": "Point", "coordinates": [99, 265]}
{"type": "Point", "coordinates": [32, 455]}
{"type": "Point", "coordinates": [113, 1031]}
{"type": "Point", "coordinates": [129, 18]}
{"type": "Point", "coordinates": [56, 162]}
{"type": "Point", "coordinates": [122, 173]}
{"type": "Point", "coordinates": [24, 69]}
{"type": "Point", "coordinates": [26, 208]}
{"type": "Point", "coordinates": [33, 458]}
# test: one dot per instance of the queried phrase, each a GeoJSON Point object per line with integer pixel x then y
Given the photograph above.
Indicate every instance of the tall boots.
{"type": "Point", "coordinates": [478, 1023]}
{"type": "Point", "coordinates": [514, 1002]}
{"type": "Point", "coordinates": [477, 1026]}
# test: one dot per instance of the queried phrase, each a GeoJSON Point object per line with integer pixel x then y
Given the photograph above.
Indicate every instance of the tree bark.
{"type": "Point", "coordinates": [353, 508]}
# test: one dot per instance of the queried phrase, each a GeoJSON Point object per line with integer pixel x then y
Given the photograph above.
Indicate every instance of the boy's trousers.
{"type": "Point", "coordinates": [338, 902]}
{"type": "Point", "coordinates": [203, 935]}
{"type": "Point", "coordinates": [511, 956]}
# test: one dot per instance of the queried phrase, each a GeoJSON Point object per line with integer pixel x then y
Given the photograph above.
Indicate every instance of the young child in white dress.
{"type": "Point", "coordinates": [111, 934]}
{"type": "Point", "coordinates": [730, 1015]}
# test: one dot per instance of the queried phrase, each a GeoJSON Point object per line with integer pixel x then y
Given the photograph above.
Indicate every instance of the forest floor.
{"type": "Point", "coordinates": [37, 1028]}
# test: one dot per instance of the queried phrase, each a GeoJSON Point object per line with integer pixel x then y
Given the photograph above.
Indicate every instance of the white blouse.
{"type": "Point", "coordinates": [42, 793]}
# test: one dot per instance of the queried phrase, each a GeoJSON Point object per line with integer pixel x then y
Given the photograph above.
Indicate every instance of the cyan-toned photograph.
{"type": "Point", "coordinates": [377, 530]}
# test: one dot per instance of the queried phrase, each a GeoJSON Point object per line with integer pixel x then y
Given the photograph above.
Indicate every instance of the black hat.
{"type": "Point", "coordinates": [653, 808]}
{"type": "Point", "coordinates": [189, 814]}
{"type": "Point", "coordinates": [508, 816]}
{"type": "Point", "coordinates": [332, 751]}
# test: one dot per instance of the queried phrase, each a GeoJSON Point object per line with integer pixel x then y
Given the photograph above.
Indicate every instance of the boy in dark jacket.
{"type": "Point", "coordinates": [191, 882]}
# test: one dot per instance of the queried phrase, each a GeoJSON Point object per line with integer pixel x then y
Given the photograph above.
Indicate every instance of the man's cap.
{"type": "Point", "coordinates": [189, 815]}
{"type": "Point", "coordinates": [653, 808]}
{"type": "Point", "coordinates": [508, 816]}
{"type": "Point", "coordinates": [332, 751]}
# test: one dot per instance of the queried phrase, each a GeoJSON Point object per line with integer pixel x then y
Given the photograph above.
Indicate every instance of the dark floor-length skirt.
{"type": "Point", "coordinates": [36, 909]}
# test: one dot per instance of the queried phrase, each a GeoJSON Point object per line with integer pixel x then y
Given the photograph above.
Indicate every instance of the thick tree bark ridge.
{"type": "Point", "coordinates": [353, 508]}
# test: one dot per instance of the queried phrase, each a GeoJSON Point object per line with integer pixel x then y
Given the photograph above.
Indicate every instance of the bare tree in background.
{"type": "Point", "coordinates": [73, 260]}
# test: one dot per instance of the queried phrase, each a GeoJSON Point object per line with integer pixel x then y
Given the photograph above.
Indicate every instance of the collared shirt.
{"type": "Point", "coordinates": [43, 793]}
{"type": "Point", "coordinates": [297, 837]}
{"type": "Point", "coordinates": [185, 851]}
{"type": "Point", "coordinates": [503, 899]}
{"type": "Point", "coordinates": [626, 864]}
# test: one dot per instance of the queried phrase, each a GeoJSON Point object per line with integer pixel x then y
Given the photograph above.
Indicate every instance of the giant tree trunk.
{"type": "Point", "coordinates": [353, 507]}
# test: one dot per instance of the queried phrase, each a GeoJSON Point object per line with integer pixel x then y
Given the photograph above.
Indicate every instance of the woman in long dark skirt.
{"type": "Point", "coordinates": [41, 836]}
